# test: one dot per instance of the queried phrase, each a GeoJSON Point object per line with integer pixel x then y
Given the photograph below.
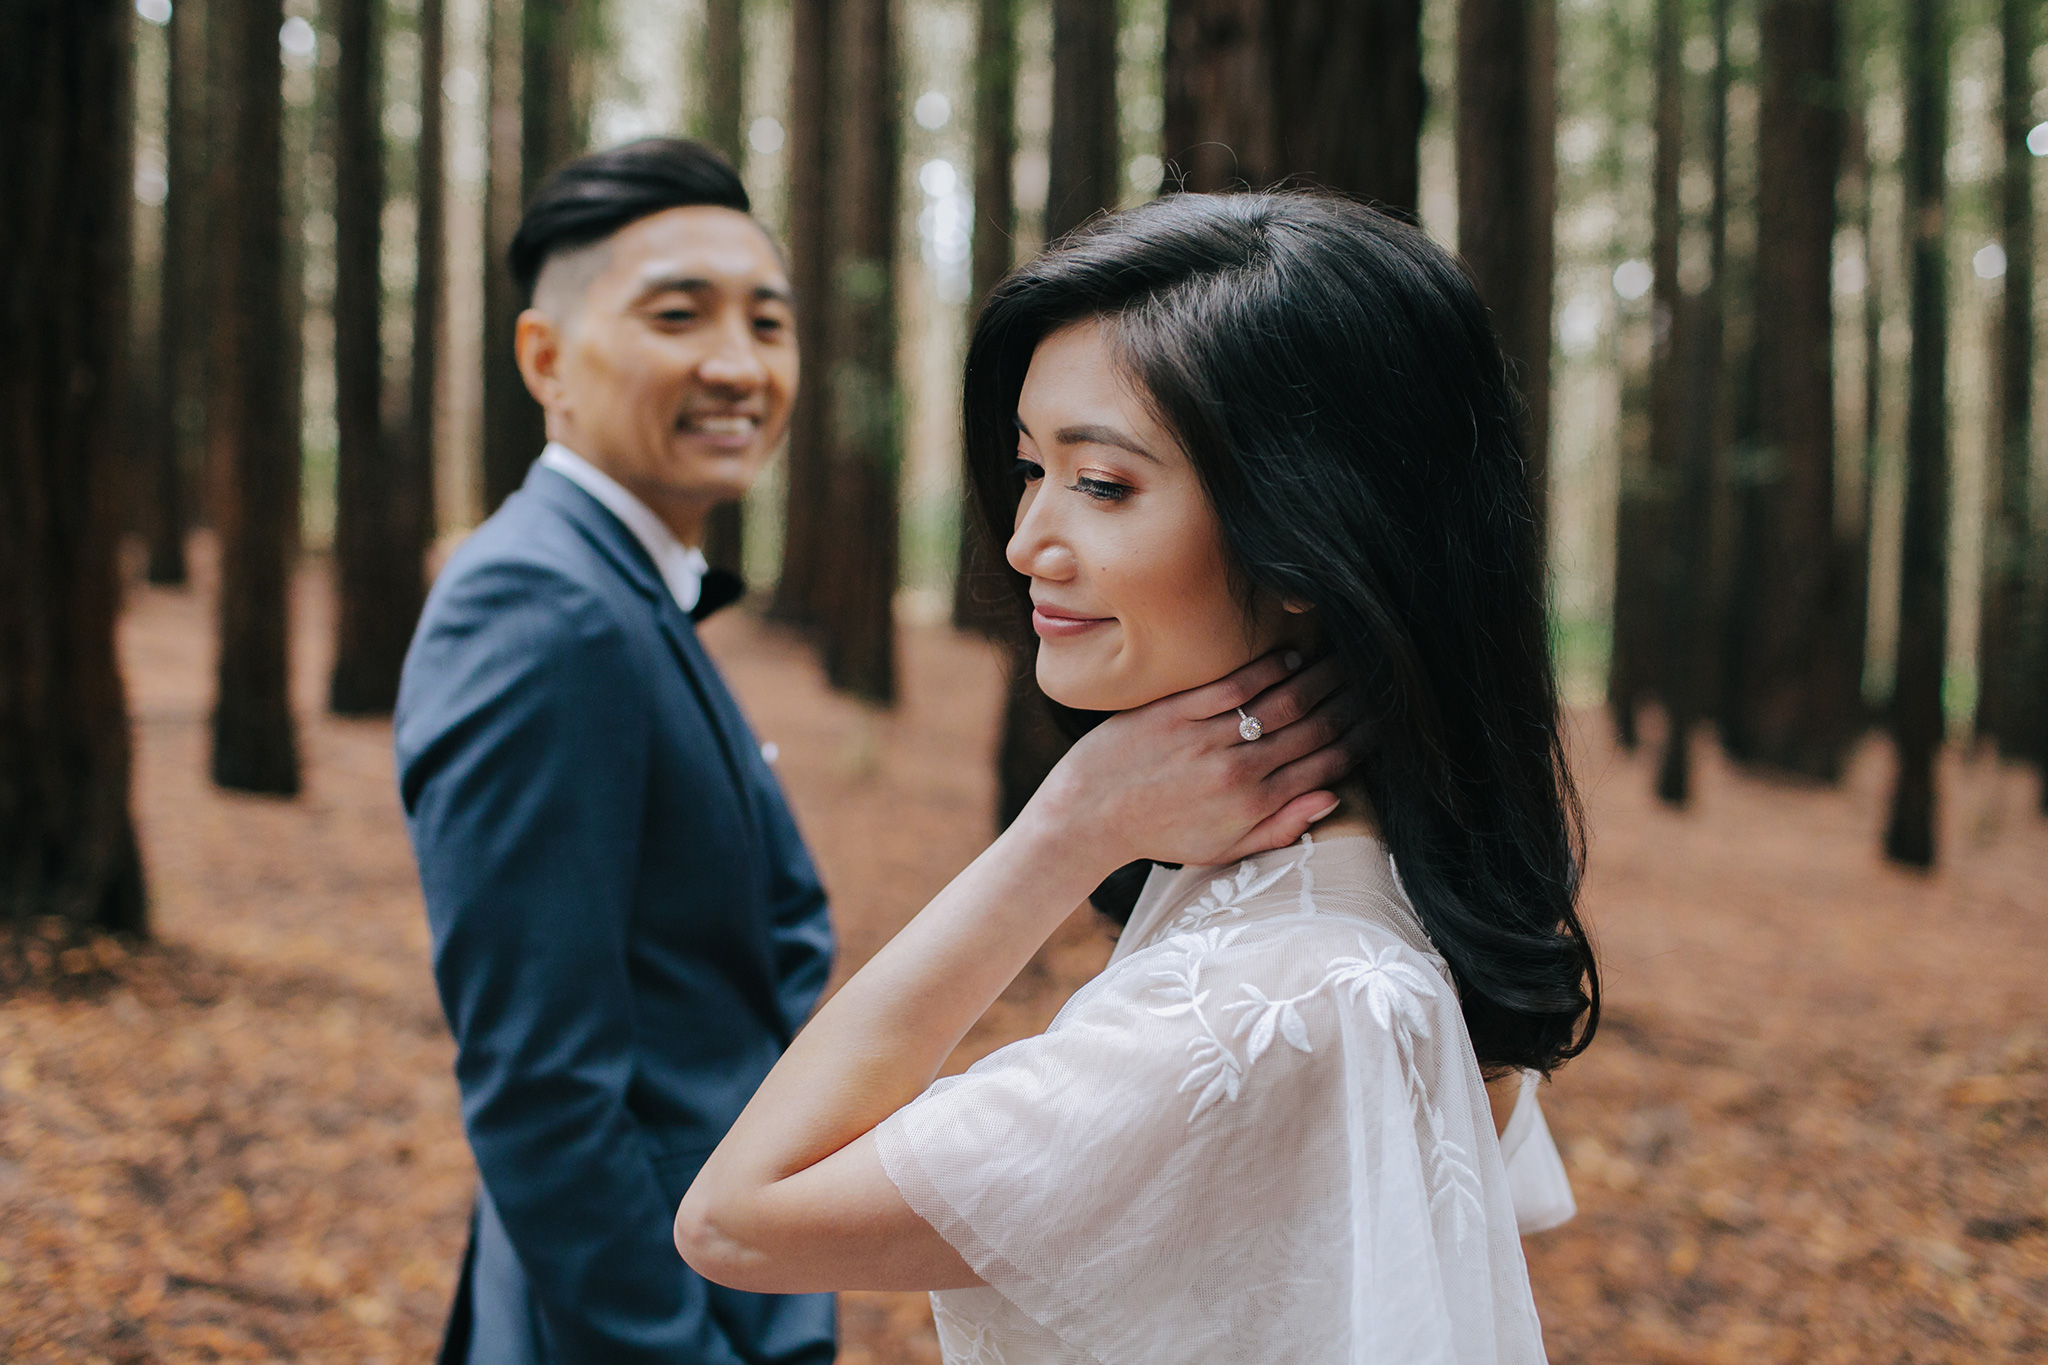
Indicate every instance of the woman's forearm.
{"type": "Point", "coordinates": [880, 1041]}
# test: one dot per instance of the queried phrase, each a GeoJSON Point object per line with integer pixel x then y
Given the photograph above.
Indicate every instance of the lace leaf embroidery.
{"type": "Point", "coordinates": [1392, 990]}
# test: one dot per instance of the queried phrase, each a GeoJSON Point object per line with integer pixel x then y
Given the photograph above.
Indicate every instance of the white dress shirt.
{"type": "Point", "coordinates": [681, 566]}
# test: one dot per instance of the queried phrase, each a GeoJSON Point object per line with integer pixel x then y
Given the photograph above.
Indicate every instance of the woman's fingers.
{"type": "Point", "coordinates": [1228, 693]}
{"type": "Point", "coordinates": [1324, 766]}
{"type": "Point", "coordinates": [1328, 723]}
{"type": "Point", "coordinates": [1287, 701]}
{"type": "Point", "coordinates": [1284, 826]}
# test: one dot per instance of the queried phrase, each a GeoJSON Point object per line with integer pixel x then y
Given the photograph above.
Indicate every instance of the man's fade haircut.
{"type": "Point", "coordinates": [587, 200]}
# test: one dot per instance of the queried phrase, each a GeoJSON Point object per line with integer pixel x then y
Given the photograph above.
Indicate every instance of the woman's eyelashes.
{"type": "Point", "coordinates": [1102, 490]}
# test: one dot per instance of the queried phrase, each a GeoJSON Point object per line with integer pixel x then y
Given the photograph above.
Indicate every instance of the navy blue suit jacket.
{"type": "Point", "coordinates": [627, 932]}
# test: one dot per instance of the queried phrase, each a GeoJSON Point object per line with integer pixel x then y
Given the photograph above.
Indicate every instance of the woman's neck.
{"type": "Point", "coordinates": [1354, 814]}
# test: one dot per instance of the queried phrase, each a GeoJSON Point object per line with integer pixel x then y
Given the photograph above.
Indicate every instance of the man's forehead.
{"type": "Point", "coordinates": [714, 246]}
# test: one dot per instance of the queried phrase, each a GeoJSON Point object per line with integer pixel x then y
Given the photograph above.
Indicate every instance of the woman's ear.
{"type": "Point", "coordinates": [1297, 608]}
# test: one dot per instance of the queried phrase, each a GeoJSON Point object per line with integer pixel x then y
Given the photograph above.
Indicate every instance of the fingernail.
{"type": "Point", "coordinates": [1326, 812]}
{"type": "Point", "coordinates": [1291, 661]}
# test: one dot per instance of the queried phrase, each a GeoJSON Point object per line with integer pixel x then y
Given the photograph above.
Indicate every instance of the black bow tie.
{"type": "Point", "coordinates": [718, 589]}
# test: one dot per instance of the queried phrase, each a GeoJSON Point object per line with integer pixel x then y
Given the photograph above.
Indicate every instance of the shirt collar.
{"type": "Point", "coordinates": [681, 566]}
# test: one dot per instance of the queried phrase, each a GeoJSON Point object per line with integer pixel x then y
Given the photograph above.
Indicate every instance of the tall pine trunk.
{"type": "Point", "coordinates": [980, 598]}
{"type": "Point", "coordinates": [252, 435]}
{"type": "Point", "coordinates": [1635, 666]}
{"type": "Point", "coordinates": [174, 430]}
{"type": "Point", "coordinates": [1507, 192]}
{"type": "Point", "coordinates": [67, 840]}
{"type": "Point", "coordinates": [858, 567]}
{"type": "Point", "coordinates": [1792, 695]}
{"type": "Point", "coordinates": [805, 514]}
{"type": "Point", "coordinates": [724, 76]}
{"type": "Point", "coordinates": [1917, 718]}
{"type": "Point", "coordinates": [377, 548]}
{"type": "Point", "coordinates": [2006, 707]}
{"type": "Point", "coordinates": [1084, 171]}
{"type": "Point", "coordinates": [1329, 91]}
{"type": "Point", "coordinates": [1686, 572]}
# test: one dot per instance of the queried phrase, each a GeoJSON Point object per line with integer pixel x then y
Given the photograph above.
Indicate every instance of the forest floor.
{"type": "Point", "coordinates": [1814, 1126]}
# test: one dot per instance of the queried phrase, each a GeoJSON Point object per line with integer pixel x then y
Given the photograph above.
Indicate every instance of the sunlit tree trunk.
{"type": "Point", "coordinates": [857, 584]}
{"type": "Point", "coordinates": [723, 73]}
{"type": "Point", "coordinates": [1329, 91]}
{"type": "Point", "coordinates": [174, 431]}
{"type": "Point", "coordinates": [805, 502]}
{"type": "Point", "coordinates": [1635, 666]}
{"type": "Point", "coordinates": [980, 599]}
{"type": "Point", "coordinates": [2007, 708]}
{"type": "Point", "coordinates": [1507, 191]}
{"type": "Point", "coordinates": [67, 841]}
{"type": "Point", "coordinates": [1917, 717]}
{"type": "Point", "coordinates": [377, 567]}
{"type": "Point", "coordinates": [252, 431]}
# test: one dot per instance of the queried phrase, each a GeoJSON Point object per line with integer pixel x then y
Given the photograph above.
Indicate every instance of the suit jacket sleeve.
{"type": "Point", "coordinates": [523, 736]}
{"type": "Point", "coordinates": [803, 930]}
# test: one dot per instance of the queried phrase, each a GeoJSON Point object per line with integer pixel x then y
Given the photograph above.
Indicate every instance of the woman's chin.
{"type": "Point", "coordinates": [1087, 690]}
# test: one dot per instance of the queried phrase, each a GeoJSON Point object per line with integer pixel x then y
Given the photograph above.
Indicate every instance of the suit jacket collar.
{"type": "Point", "coordinates": [720, 587]}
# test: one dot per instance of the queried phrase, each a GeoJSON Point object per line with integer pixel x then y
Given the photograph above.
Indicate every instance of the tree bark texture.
{"type": "Point", "coordinates": [67, 840]}
{"type": "Point", "coordinates": [805, 510]}
{"type": "Point", "coordinates": [980, 598]}
{"type": "Point", "coordinates": [252, 432]}
{"type": "Point", "coordinates": [1326, 91]}
{"type": "Point", "coordinates": [1917, 717]}
{"type": "Point", "coordinates": [1507, 191]}
{"type": "Point", "coordinates": [176, 427]}
{"type": "Point", "coordinates": [1083, 150]}
{"type": "Point", "coordinates": [1648, 487]}
{"type": "Point", "coordinates": [724, 75]}
{"type": "Point", "coordinates": [430, 281]}
{"type": "Point", "coordinates": [858, 568]}
{"type": "Point", "coordinates": [1687, 572]}
{"type": "Point", "coordinates": [2008, 709]}
{"type": "Point", "coordinates": [377, 552]}
{"type": "Point", "coordinates": [1792, 699]}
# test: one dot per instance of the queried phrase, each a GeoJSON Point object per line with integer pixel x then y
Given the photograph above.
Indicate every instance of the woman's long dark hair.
{"type": "Point", "coordinates": [1332, 375]}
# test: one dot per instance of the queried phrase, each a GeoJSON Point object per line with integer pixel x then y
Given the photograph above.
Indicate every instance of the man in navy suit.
{"type": "Point", "coordinates": [627, 929]}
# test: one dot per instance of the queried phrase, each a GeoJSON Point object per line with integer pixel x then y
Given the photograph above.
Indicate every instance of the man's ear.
{"type": "Point", "coordinates": [538, 344]}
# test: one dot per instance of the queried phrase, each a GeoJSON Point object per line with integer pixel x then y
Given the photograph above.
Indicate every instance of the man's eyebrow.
{"type": "Point", "coordinates": [697, 284]}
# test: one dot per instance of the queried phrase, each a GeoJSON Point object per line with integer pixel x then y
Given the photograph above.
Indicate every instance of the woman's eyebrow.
{"type": "Point", "coordinates": [1090, 435]}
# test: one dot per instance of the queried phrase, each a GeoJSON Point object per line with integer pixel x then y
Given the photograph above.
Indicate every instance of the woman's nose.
{"type": "Point", "coordinates": [1036, 549]}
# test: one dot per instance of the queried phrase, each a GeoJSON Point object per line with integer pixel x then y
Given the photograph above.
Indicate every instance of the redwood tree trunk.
{"type": "Point", "coordinates": [1084, 170]}
{"type": "Point", "coordinates": [1635, 666]}
{"type": "Point", "coordinates": [1507, 190]}
{"type": "Point", "coordinates": [724, 73]}
{"type": "Point", "coordinates": [252, 439]}
{"type": "Point", "coordinates": [430, 282]}
{"type": "Point", "coordinates": [174, 431]}
{"type": "Point", "coordinates": [980, 598]}
{"type": "Point", "coordinates": [377, 550]}
{"type": "Point", "coordinates": [1329, 91]}
{"type": "Point", "coordinates": [857, 584]}
{"type": "Point", "coordinates": [512, 427]}
{"type": "Point", "coordinates": [2004, 712]}
{"type": "Point", "coordinates": [1686, 570]}
{"type": "Point", "coordinates": [67, 841]}
{"type": "Point", "coordinates": [1789, 706]}
{"type": "Point", "coordinates": [1917, 719]}
{"type": "Point", "coordinates": [805, 505]}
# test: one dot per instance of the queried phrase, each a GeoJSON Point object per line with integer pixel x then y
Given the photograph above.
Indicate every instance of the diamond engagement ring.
{"type": "Point", "coordinates": [1248, 726]}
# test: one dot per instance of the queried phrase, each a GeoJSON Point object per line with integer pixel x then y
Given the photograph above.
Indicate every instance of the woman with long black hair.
{"type": "Point", "coordinates": [1255, 460]}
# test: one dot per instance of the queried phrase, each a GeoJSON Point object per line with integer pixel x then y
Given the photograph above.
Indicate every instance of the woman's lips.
{"type": "Point", "coordinates": [1054, 624]}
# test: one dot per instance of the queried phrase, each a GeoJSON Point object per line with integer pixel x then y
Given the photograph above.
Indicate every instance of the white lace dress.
{"type": "Point", "coordinates": [1259, 1136]}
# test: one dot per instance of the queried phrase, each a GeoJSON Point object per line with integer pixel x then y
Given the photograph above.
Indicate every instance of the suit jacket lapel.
{"type": "Point", "coordinates": [631, 559]}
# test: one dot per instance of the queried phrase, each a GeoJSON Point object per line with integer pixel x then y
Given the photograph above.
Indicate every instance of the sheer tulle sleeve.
{"type": "Point", "coordinates": [1262, 1143]}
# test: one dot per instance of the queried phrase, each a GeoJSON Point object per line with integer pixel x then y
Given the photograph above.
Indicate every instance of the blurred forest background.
{"type": "Point", "coordinates": [1767, 270]}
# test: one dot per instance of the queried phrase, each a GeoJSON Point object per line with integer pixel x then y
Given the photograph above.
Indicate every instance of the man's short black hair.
{"type": "Point", "coordinates": [594, 196]}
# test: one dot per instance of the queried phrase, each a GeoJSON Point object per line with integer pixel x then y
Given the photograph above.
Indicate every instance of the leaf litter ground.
{"type": "Point", "coordinates": [1814, 1126]}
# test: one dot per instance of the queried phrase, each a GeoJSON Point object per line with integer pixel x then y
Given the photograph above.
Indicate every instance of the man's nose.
{"type": "Point", "coordinates": [732, 360]}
